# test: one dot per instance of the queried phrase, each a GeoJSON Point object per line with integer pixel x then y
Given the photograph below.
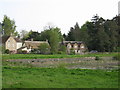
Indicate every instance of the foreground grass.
{"type": "Point", "coordinates": [26, 77]}
{"type": "Point", "coordinates": [38, 56]}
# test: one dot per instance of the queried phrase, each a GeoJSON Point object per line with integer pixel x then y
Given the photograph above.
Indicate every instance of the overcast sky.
{"type": "Point", "coordinates": [36, 14]}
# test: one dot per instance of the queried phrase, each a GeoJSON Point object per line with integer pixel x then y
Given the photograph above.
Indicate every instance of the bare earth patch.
{"type": "Point", "coordinates": [72, 63]}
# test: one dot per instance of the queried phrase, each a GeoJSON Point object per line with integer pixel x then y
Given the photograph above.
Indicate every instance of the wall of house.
{"type": "Point", "coordinates": [26, 49]}
{"type": "Point", "coordinates": [19, 45]}
{"type": "Point", "coordinates": [76, 48]}
{"type": "Point", "coordinates": [11, 44]}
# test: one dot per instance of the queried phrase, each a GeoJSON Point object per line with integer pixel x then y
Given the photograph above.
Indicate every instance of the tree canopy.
{"type": "Point", "coordinates": [9, 27]}
{"type": "Point", "coordinates": [98, 34]}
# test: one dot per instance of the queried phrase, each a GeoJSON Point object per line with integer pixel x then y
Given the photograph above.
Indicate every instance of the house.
{"type": "Point", "coordinates": [31, 45]}
{"type": "Point", "coordinates": [11, 43]}
{"type": "Point", "coordinates": [15, 45]}
{"type": "Point", "coordinates": [77, 46]}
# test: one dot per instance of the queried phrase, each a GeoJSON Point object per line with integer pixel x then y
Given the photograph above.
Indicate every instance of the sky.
{"type": "Point", "coordinates": [37, 14]}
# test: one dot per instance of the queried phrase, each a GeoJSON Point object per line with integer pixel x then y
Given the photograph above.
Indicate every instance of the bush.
{"type": "Point", "coordinates": [2, 49]}
{"type": "Point", "coordinates": [117, 49]}
{"type": "Point", "coordinates": [19, 51]}
{"type": "Point", "coordinates": [72, 52]}
{"type": "Point", "coordinates": [117, 57]}
{"type": "Point", "coordinates": [97, 58]}
{"type": "Point", "coordinates": [44, 48]}
{"type": "Point", "coordinates": [62, 49]}
{"type": "Point", "coordinates": [35, 51]}
{"type": "Point", "coordinates": [61, 52]}
{"type": "Point", "coordinates": [61, 65]}
{"type": "Point", "coordinates": [7, 51]}
{"type": "Point", "coordinates": [24, 52]}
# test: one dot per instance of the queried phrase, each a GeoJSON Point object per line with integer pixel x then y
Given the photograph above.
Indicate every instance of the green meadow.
{"type": "Point", "coordinates": [38, 56]}
{"type": "Point", "coordinates": [23, 77]}
{"type": "Point", "coordinates": [16, 75]}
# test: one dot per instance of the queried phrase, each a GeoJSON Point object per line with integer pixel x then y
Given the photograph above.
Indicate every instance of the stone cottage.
{"type": "Point", "coordinates": [77, 46]}
{"type": "Point", "coordinates": [30, 45]}
{"type": "Point", "coordinates": [11, 43]}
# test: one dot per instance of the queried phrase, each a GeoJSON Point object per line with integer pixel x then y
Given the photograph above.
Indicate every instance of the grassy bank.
{"type": "Point", "coordinates": [38, 56]}
{"type": "Point", "coordinates": [24, 77]}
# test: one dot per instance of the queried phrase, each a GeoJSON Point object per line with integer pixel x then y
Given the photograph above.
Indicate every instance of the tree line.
{"type": "Point", "coordinates": [98, 34]}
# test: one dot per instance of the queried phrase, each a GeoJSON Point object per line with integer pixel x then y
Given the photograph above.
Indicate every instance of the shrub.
{"type": "Point", "coordinates": [61, 52]}
{"type": "Point", "coordinates": [2, 49]}
{"type": "Point", "coordinates": [24, 52]}
{"type": "Point", "coordinates": [72, 52]}
{"type": "Point", "coordinates": [117, 57]}
{"type": "Point", "coordinates": [44, 48]}
{"type": "Point", "coordinates": [19, 51]}
{"type": "Point", "coordinates": [35, 51]}
{"type": "Point", "coordinates": [117, 49]}
{"type": "Point", "coordinates": [97, 58]}
{"type": "Point", "coordinates": [61, 65]}
{"type": "Point", "coordinates": [62, 49]}
{"type": "Point", "coordinates": [7, 51]}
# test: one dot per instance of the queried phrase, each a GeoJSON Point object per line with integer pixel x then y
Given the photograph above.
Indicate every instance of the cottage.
{"type": "Point", "coordinates": [77, 46]}
{"type": "Point", "coordinates": [30, 45]}
{"type": "Point", "coordinates": [11, 43]}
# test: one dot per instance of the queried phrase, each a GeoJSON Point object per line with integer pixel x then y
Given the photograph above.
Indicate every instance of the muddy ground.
{"type": "Point", "coordinates": [83, 63]}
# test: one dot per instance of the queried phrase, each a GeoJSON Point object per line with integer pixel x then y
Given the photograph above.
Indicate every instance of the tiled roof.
{"type": "Point", "coordinates": [72, 42]}
{"type": "Point", "coordinates": [5, 38]}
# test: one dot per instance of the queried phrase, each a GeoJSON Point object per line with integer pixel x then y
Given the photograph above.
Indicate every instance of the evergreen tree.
{"type": "Point", "coordinates": [77, 32]}
{"type": "Point", "coordinates": [71, 36]}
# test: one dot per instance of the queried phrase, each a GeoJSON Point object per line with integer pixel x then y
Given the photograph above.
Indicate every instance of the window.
{"type": "Point", "coordinates": [75, 46]}
{"type": "Point", "coordinates": [68, 46]}
{"type": "Point", "coordinates": [82, 46]}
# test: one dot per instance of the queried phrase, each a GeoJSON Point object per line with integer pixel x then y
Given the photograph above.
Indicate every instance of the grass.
{"type": "Point", "coordinates": [24, 77]}
{"type": "Point", "coordinates": [18, 75]}
{"type": "Point", "coordinates": [38, 56]}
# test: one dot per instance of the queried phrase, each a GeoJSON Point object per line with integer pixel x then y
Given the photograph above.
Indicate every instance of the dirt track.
{"type": "Point", "coordinates": [84, 62]}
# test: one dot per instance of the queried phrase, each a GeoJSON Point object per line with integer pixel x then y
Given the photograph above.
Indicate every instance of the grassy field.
{"type": "Point", "coordinates": [24, 77]}
{"type": "Point", "coordinates": [18, 75]}
{"type": "Point", "coordinates": [38, 56]}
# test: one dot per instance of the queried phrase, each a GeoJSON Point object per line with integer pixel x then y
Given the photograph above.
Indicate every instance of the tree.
{"type": "Point", "coordinates": [98, 34]}
{"type": "Point", "coordinates": [111, 29]}
{"type": "Point", "coordinates": [31, 35]}
{"type": "Point", "coordinates": [24, 34]}
{"type": "Point", "coordinates": [9, 27]}
{"type": "Point", "coordinates": [84, 36]}
{"type": "Point", "coordinates": [77, 32]}
{"type": "Point", "coordinates": [74, 33]}
{"type": "Point", "coordinates": [55, 38]}
{"type": "Point", "coordinates": [44, 48]}
{"type": "Point", "coordinates": [70, 36]}
{"type": "Point", "coordinates": [103, 38]}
